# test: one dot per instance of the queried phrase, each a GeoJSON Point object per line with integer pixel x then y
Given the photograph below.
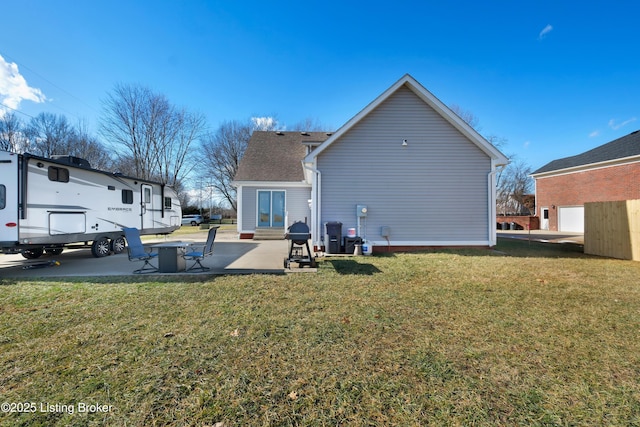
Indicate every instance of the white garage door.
{"type": "Point", "coordinates": [571, 219]}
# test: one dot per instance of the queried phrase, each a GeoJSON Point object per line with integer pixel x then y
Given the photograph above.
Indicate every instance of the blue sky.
{"type": "Point", "coordinates": [552, 78]}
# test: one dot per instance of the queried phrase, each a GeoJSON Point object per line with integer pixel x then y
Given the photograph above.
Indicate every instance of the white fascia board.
{"type": "Point", "coordinates": [587, 167]}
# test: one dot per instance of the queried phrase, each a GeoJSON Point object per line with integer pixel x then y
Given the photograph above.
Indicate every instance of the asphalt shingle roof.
{"type": "Point", "coordinates": [620, 148]}
{"type": "Point", "coordinates": [276, 156]}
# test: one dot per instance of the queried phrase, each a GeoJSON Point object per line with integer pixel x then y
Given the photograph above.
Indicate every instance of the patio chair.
{"type": "Point", "coordinates": [197, 256]}
{"type": "Point", "coordinates": [137, 252]}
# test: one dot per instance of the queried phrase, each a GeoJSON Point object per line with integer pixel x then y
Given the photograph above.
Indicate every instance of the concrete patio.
{"type": "Point", "coordinates": [230, 256]}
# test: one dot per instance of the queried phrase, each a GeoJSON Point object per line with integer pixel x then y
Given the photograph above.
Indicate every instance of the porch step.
{"type": "Point", "coordinates": [268, 234]}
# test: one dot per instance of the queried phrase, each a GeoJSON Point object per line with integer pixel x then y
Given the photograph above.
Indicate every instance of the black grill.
{"type": "Point", "coordinates": [299, 235]}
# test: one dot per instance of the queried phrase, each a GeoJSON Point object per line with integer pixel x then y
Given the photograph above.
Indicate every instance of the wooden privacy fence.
{"type": "Point", "coordinates": [612, 229]}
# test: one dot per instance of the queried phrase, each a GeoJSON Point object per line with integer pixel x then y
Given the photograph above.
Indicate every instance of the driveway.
{"type": "Point", "coordinates": [543, 236]}
{"type": "Point", "coordinates": [230, 256]}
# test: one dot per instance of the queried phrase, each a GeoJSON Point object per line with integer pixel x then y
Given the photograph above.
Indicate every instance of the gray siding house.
{"type": "Point", "coordinates": [425, 177]}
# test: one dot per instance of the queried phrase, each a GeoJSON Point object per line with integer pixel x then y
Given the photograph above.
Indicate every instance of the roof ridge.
{"type": "Point", "coordinates": [619, 148]}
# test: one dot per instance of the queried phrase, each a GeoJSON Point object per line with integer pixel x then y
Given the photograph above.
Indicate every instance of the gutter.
{"type": "Point", "coordinates": [491, 178]}
{"type": "Point", "coordinates": [316, 195]}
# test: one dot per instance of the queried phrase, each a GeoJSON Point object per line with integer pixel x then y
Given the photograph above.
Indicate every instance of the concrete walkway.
{"type": "Point", "coordinates": [230, 256]}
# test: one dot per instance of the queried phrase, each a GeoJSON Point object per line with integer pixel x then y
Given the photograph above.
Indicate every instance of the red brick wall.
{"type": "Point", "coordinates": [575, 189]}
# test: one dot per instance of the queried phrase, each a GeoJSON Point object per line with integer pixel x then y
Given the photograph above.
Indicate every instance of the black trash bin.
{"type": "Point", "coordinates": [334, 237]}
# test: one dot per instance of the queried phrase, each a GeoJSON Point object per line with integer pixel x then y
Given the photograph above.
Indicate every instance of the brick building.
{"type": "Point", "coordinates": [610, 172]}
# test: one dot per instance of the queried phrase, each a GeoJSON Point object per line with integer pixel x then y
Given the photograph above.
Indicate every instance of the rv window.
{"type": "Point", "coordinates": [127, 197]}
{"type": "Point", "coordinates": [58, 174]}
{"type": "Point", "coordinates": [147, 195]}
{"type": "Point", "coordinates": [167, 202]}
{"type": "Point", "coordinates": [3, 196]}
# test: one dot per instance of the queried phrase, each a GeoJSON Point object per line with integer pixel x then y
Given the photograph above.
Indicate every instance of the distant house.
{"type": "Point", "coordinates": [422, 175]}
{"type": "Point", "coordinates": [610, 172]}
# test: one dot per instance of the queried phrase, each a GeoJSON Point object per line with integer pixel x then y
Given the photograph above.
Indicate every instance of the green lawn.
{"type": "Point", "coordinates": [531, 335]}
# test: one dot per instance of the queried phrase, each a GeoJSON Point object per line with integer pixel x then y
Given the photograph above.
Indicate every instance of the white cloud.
{"type": "Point", "coordinates": [526, 144]}
{"type": "Point", "coordinates": [264, 123]}
{"type": "Point", "coordinates": [594, 134]}
{"type": "Point", "coordinates": [14, 88]}
{"type": "Point", "coordinates": [546, 30]}
{"type": "Point", "coordinates": [615, 126]}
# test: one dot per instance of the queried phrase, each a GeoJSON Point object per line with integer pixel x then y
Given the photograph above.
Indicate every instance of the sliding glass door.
{"type": "Point", "coordinates": [271, 208]}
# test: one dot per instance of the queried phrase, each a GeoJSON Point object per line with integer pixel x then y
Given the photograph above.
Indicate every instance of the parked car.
{"type": "Point", "coordinates": [192, 219]}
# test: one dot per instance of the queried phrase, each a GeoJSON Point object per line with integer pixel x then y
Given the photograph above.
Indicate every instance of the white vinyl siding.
{"type": "Point", "coordinates": [296, 199]}
{"type": "Point", "coordinates": [435, 189]}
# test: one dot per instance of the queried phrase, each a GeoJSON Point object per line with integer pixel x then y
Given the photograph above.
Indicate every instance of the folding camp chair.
{"type": "Point", "coordinates": [197, 256]}
{"type": "Point", "coordinates": [137, 252]}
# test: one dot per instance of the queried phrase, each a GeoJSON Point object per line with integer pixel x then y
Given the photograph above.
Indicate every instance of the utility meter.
{"type": "Point", "coordinates": [361, 211]}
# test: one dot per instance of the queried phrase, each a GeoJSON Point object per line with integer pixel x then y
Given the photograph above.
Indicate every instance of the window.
{"type": "Point", "coordinates": [58, 174]}
{"type": "Point", "coordinates": [127, 197]}
{"type": "Point", "coordinates": [3, 196]}
{"type": "Point", "coordinates": [167, 202]}
{"type": "Point", "coordinates": [147, 195]}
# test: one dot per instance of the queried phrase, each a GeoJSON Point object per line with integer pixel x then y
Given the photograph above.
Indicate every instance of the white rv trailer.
{"type": "Point", "coordinates": [46, 204]}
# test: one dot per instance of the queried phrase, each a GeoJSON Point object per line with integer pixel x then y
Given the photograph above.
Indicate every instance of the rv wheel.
{"type": "Point", "coordinates": [118, 244]}
{"type": "Point", "coordinates": [32, 253]}
{"type": "Point", "coordinates": [100, 247]}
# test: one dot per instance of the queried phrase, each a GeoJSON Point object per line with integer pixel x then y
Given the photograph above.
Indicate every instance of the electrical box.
{"type": "Point", "coordinates": [385, 231]}
{"type": "Point", "coordinates": [361, 211]}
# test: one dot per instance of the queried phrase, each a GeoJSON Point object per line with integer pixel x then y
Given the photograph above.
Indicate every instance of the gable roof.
{"type": "Point", "coordinates": [276, 156]}
{"type": "Point", "coordinates": [430, 100]}
{"type": "Point", "coordinates": [627, 146]}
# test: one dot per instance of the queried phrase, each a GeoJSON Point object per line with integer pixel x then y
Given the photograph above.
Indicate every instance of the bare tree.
{"type": "Point", "coordinates": [86, 146]}
{"type": "Point", "coordinates": [466, 115]}
{"type": "Point", "coordinates": [128, 123]}
{"type": "Point", "coordinates": [514, 185]}
{"type": "Point", "coordinates": [175, 154]}
{"type": "Point", "coordinates": [12, 136]}
{"type": "Point", "coordinates": [48, 134]}
{"type": "Point", "coordinates": [310, 125]}
{"type": "Point", "coordinates": [222, 152]}
{"type": "Point", "coordinates": [153, 137]}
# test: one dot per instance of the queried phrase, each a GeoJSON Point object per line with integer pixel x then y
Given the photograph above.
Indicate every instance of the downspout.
{"type": "Point", "coordinates": [491, 177]}
{"type": "Point", "coordinates": [162, 200]}
{"type": "Point", "coordinates": [316, 195]}
{"type": "Point", "coordinates": [239, 204]}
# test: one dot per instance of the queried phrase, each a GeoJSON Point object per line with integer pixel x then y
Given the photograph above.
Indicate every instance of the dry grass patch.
{"type": "Point", "coordinates": [542, 337]}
